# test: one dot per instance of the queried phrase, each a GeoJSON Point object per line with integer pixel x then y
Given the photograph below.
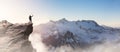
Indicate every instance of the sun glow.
{"type": "Point", "coordinates": [17, 11]}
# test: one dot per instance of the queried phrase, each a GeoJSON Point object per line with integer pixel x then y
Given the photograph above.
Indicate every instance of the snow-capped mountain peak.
{"type": "Point", "coordinates": [78, 29]}
{"type": "Point", "coordinates": [82, 34]}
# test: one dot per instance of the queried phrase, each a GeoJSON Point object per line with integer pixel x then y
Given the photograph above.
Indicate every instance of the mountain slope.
{"type": "Point", "coordinates": [75, 34]}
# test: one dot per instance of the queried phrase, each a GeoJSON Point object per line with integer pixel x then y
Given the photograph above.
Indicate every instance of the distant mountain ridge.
{"type": "Point", "coordinates": [82, 34]}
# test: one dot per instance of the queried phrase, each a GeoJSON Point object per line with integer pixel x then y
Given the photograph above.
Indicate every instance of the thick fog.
{"type": "Point", "coordinates": [59, 36]}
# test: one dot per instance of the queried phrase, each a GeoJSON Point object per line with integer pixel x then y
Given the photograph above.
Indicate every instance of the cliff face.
{"type": "Point", "coordinates": [14, 37]}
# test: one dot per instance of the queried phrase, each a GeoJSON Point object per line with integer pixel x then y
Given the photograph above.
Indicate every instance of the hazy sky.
{"type": "Point", "coordinates": [105, 12]}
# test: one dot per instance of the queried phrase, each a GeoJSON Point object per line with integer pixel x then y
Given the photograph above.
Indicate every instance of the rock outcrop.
{"type": "Point", "coordinates": [14, 37]}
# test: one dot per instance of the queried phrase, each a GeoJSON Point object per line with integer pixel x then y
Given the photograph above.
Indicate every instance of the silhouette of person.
{"type": "Point", "coordinates": [30, 17]}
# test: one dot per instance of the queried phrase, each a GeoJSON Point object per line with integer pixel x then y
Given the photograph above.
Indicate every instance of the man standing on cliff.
{"type": "Point", "coordinates": [30, 18]}
{"type": "Point", "coordinates": [29, 28]}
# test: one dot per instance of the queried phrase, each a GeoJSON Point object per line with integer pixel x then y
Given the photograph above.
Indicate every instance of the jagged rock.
{"type": "Point", "coordinates": [14, 37]}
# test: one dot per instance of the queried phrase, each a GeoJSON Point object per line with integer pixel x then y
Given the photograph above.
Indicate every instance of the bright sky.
{"type": "Point", "coordinates": [106, 12]}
